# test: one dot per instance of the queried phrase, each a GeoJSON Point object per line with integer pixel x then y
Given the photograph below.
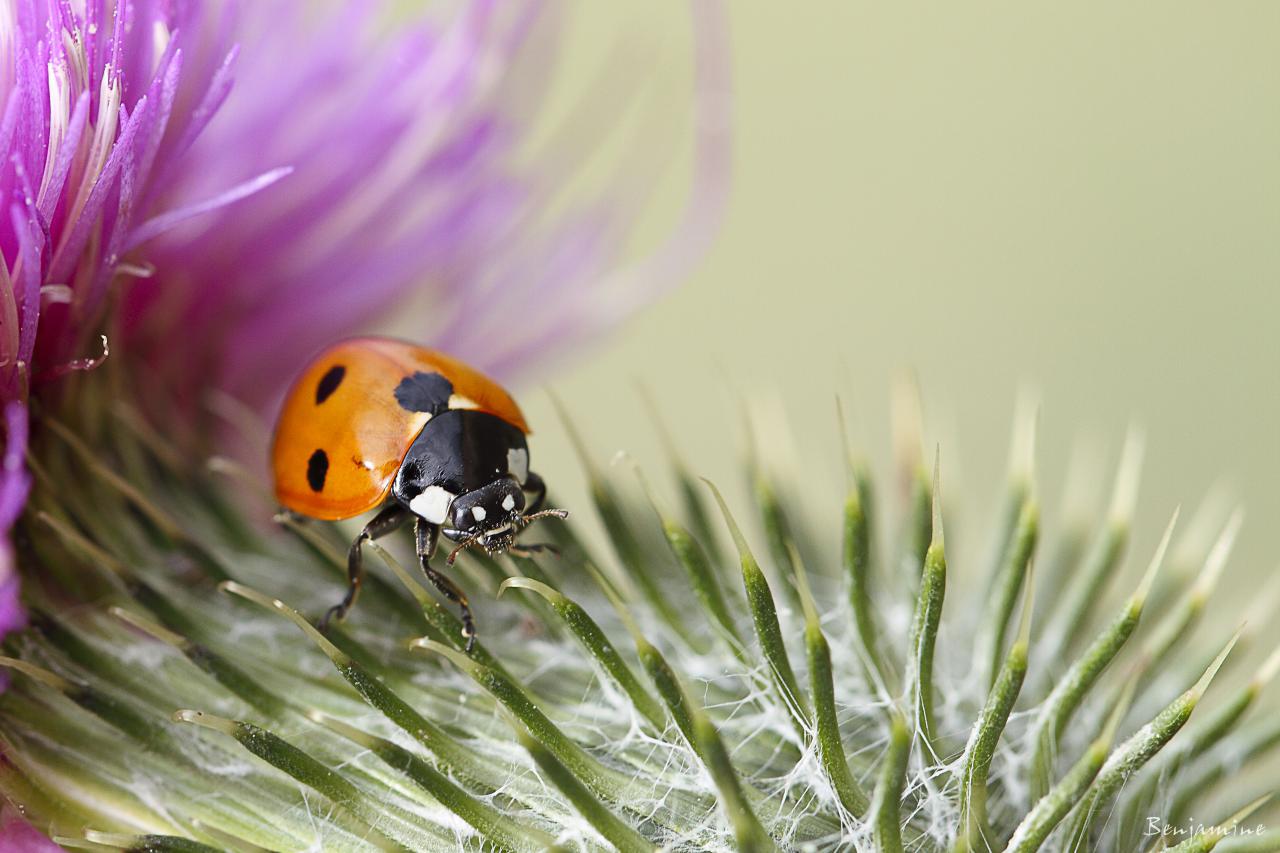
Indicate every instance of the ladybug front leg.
{"type": "Point", "coordinates": [391, 518]}
{"type": "Point", "coordinates": [428, 537]}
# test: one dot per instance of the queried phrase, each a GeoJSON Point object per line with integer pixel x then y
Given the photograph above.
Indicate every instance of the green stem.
{"type": "Point", "coordinates": [382, 818]}
{"type": "Point", "coordinates": [597, 645]}
{"type": "Point", "coordinates": [1130, 756]}
{"type": "Point", "coordinates": [822, 683]}
{"type": "Point", "coordinates": [885, 805]}
{"type": "Point", "coordinates": [495, 827]}
{"type": "Point", "coordinates": [605, 822]}
{"type": "Point", "coordinates": [1009, 582]}
{"type": "Point", "coordinates": [857, 564]}
{"type": "Point", "coordinates": [1084, 673]}
{"type": "Point", "coordinates": [689, 552]}
{"type": "Point", "coordinates": [768, 631]}
{"type": "Point", "coordinates": [924, 628]}
{"type": "Point", "coordinates": [974, 833]}
{"type": "Point", "coordinates": [750, 835]}
{"type": "Point", "coordinates": [606, 782]}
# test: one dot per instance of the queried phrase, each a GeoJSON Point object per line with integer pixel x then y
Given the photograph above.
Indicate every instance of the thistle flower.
{"type": "Point", "coordinates": [170, 184]}
{"type": "Point", "coordinates": [88, 122]}
{"type": "Point", "coordinates": [680, 688]}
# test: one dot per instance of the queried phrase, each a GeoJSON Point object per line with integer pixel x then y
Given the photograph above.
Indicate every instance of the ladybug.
{"type": "Point", "coordinates": [379, 423]}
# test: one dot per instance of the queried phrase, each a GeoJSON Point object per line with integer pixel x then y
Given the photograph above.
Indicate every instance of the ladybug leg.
{"type": "Point", "coordinates": [428, 536]}
{"type": "Point", "coordinates": [522, 550]}
{"type": "Point", "coordinates": [536, 487]}
{"type": "Point", "coordinates": [391, 518]}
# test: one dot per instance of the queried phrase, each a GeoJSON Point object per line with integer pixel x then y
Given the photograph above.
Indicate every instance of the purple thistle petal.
{"type": "Point", "coordinates": [18, 836]}
{"type": "Point", "coordinates": [15, 485]}
{"type": "Point", "coordinates": [404, 186]}
{"type": "Point", "coordinates": [158, 225]}
{"type": "Point", "coordinates": [94, 104]}
{"type": "Point", "coordinates": [66, 151]}
{"type": "Point", "coordinates": [67, 255]}
{"type": "Point", "coordinates": [15, 482]}
{"type": "Point", "coordinates": [219, 88]}
{"type": "Point", "coordinates": [163, 91]}
{"type": "Point", "coordinates": [26, 278]}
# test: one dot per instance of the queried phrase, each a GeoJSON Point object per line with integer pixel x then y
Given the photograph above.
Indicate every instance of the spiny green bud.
{"type": "Point", "coordinates": [645, 691]}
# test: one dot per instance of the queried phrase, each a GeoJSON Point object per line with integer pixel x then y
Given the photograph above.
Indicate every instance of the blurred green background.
{"type": "Point", "coordinates": [1082, 200]}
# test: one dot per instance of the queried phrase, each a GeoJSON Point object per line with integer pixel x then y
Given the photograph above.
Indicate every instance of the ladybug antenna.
{"type": "Point", "coordinates": [546, 513]}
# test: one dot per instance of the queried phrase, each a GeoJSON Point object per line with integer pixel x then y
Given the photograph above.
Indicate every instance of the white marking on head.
{"type": "Point", "coordinates": [478, 513]}
{"type": "Point", "coordinates": [433, 504]}
{"type": "Point", "coordinates": [518, 463]}
{"type": "Point", "coordinates": [509, 503]}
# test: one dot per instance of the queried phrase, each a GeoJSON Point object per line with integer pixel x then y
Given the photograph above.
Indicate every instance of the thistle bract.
{"type": "Point", "coordinates": [668, 686]}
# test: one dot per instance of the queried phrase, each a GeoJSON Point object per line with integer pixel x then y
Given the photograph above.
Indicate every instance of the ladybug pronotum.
{"type": "Point", "coordinates": [378, 422]}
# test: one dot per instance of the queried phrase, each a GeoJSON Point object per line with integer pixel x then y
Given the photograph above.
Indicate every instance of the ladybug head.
{"type": "Point", "coordinates": [488, 516]}
{"type": "Point", "coordinates": [491, 517]}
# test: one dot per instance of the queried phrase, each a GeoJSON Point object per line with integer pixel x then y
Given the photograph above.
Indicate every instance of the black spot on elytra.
{"type": "Point", "coordinates": [424, 392]}
{"type": "Point", "coordinates": [317, 470]}
{"type": "Point", "coordinates": [329, 382]}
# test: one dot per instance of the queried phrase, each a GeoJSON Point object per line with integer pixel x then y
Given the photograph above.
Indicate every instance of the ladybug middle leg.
{"type": "Point", "coordinates": [391, 518]}
{"type": "Point", "coordinates": [536, 488]}
{"type": "Point", "coordinates": [522, 550]}
{"type": "Point", "coordinates": [428, 536]}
